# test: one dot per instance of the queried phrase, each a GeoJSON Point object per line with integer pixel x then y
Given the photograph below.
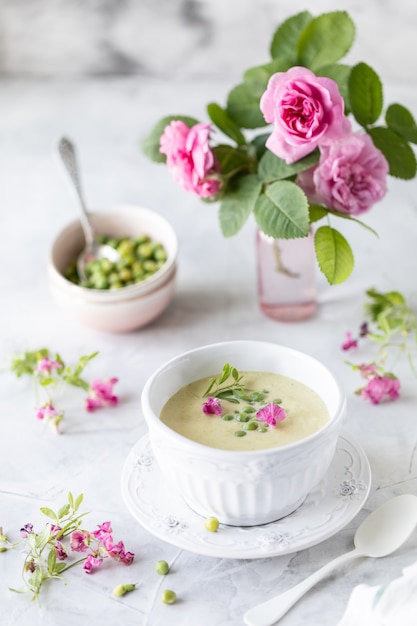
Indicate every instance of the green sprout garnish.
{"type": "Point", "coordinates": [227, 386]}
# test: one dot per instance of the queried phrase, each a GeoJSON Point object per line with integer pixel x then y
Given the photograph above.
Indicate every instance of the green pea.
{"type": "Point", "coordinates": [168, 596]}
{"type": "Point", "coordinates": [106, 266]}
{"type": "Point", "coordinates": [120, 590]}
{"type": "Point", "coordinates": [242, 417]}
{"type": "Point", "coordinates": [144, 250]}
{"type": "Point", "coordinates": [240, 433]}
{"type": "Point", "coordinates": [159, 253]}
{"type": "Point", "coordinates": [162, 567]}
{"type": "Point", "coordinates": [257, 396]}
{"type": "Point", "coordinates": [211, 523]}
{"type": "Point", "coordinates": [262, 429]}
{"type": "Point", "coordinates": [249, 409]}
{"type": "Point", "coordinates": [277, 401]}
{"type": "Point", "coordinates": [150, 266]}
{"type": "Point", "coordinates": [141, 239]}
{"type": "Point", "coordinates": [125, 275]}
{"type": "Point", "coordinates": [250, 426]}
{"type": "Point", "coordinates": [227, 417]}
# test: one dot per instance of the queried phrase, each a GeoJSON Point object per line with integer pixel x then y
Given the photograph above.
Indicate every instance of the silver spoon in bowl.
{"type": "Point", "coordinates": [380, 534]}
{"type": "Point", "coordinates": [93, 250]}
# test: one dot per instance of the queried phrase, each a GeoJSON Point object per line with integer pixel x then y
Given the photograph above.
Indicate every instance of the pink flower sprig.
{"type": "Point", "coordinates": [392, 327]}
{"type": "Point", "coordinates": [50, 552]}
{"type": "Point", "coordinates": [52, 375]}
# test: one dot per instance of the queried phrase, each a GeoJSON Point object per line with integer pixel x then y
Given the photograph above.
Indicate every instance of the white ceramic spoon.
{"type": "Point", "coordinates": [381, 533]}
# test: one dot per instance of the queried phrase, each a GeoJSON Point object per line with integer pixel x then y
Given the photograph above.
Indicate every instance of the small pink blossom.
{"type": "Point", "coordinates": [80, 541]}
{"type": "Point", "coordinates": [103, 531]}
{"type": "Point", "coordinates": [306, 110]}
{"type": "Point", "coordinates": [26, 530]}
{"type": "Point", "coordinates": [349, 342]}
{"type": "Point", "coordinates": [271, 414]}
{"type": "Point", "coordinates": [46, 364]}
{"type": "Point", "coordinates": [350, 177]}
{"type": "Point", "coordinates": [190, 158]}
{"type": "Point", "coordinates": [212, 406]}
{"type": "Point", "coordinates": [91, 562]}
{"type": "Point", "coordinates": [101, 394]}
{"type": "Point", "coordinates": [380, 388]}
{"type": "Point", "coordinates": [60, 551]}
{"type": "Point", "coordinates": [367, 370]}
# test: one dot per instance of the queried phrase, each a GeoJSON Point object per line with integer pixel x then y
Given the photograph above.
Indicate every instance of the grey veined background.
{"type": "Point", "coordinates": [186, 38]}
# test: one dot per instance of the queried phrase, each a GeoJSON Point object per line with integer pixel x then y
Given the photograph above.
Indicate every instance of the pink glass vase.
{"type": "Point", "coordinates": [287, 290]}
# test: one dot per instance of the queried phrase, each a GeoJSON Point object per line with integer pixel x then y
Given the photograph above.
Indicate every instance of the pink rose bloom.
{"type": "Point", "coordinates": [381, 388]}
{"type": "Point", "coordinates": [190, 158]}
{"type": "Point", "coordinates": [80, 541]}
{"type": "Point", "coordinates": [306, 110]}
{"type": "Point", "coordinates": [271, 414]}
{"type": "Point", "coordinates": [212, 406]}
{"type": "Point", "coordinates": [350, 177]}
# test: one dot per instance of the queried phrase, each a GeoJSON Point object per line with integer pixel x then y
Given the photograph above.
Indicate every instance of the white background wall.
{"type": "Point", "coordinates": [172, 38]}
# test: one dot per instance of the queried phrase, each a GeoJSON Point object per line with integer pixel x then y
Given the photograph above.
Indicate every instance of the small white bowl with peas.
{"type": "Point", "coordinates": [121, 296]}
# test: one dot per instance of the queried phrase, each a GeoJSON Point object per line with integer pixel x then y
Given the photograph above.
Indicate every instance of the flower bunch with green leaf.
{"type": "Point", "coordinates": [51, 375]}
{"type": "Point", "coordinates": [312, 165]}
{"type": "Point", "coordinates": [392, 327]}
{"type": "Point", "coordinates": [50, 552]}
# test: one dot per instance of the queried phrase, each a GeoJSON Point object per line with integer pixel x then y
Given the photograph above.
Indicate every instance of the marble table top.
{"type": "Point", "coordinates": [215, 301]}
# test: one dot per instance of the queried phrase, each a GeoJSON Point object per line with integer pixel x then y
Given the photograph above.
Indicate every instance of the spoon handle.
{"type": "Point", "coordinates": [271, 611]}
{"type": "Point", "coordinates": [68, 155]}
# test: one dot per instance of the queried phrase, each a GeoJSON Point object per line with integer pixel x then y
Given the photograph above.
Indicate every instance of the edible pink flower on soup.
{"type": "Point", "coordinates": [101, 394]}
{"type": "Point", "coordinates": [381, 388]}
{"type": "Point", "coordinates": [351, 175]}
{"type": "Point", "coordinates": [306, 110]}
{"type": "Point", "coordinates": [80, 541]}
{"type": "Point", "coordinates": [212, 406]}
{"type": "Point", "coordinates": [46, 364]}
{"type": "Point", "coordinates": [190, 159]}
{"type": "Point", "coordinates": [349, 342]}
{"type": "Point", "coordinates": [271, 414]}
{"type": "Point", "coordinates": [91, 562]}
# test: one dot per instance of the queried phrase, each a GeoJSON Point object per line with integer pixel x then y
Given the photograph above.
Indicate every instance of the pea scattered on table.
{"type": "Point", "coordinates": [140, 258]}
{"type": "Point", "coordinates": [168, 596]}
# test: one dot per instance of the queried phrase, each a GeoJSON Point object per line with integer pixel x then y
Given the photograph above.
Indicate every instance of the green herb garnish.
{"type": "Point", "coordinates": [227, 386]}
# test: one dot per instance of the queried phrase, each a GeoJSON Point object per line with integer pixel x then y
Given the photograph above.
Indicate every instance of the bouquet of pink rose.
{"type": "Point", "coordinates": [312, 164]}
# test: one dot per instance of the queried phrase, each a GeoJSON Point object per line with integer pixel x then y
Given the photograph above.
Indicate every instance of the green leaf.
{"type": "Point", "coordinates": [401, 121]}
{"type": "Point", "coordinates": [150, 144]}
{"type": "Point", "coordinates": [49, 513]}
{"type": "Point", "coordinates": [227, 368]}
{"type": "Point", "coordinates": [42, 538]}
{"type": "Point", "coordinates": [262, 73]}
{"type": "Point", "coordinates": [317, 212]}
{"type": "Point", "coordinates": [233, 160]}
{"type": "Point", "coordinates": [78, 501]}
{"type": "Point", "coordinates": [340, 74]}
{"type": "Point", "coordinates": [64, 510]}
{"type": "Point", "coordinates": [272, 168]}
{"type": "Point", "coordinates": [258, 144]}
{"type": "Point", "coordinates": [49, 380]}
{"type": "Point", "coordinates": [224, 122]}
{"type": "Point", "coordinates": [236, 207]}
{"type": "Point", "coordinates": [51, 560]}
{"type": "Point", "coordinates": [59, 567]}
{"type": "Point", "coordinates": [243, 104]}
{"type": "Point", "coordinates": [326, 39]}
{"type": "Point", "coordinates": [365, 94]}
{"type": "Point", "coordinates": [282, 211]}
{"type": "Point", "coordinates": [334, 255]}
{"type": "Point", "coordinates": [285, 39]}
{"type": "Point", "coordinates": [399, 154]}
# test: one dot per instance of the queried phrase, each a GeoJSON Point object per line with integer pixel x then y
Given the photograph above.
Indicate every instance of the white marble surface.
{"type": "Point", "coordinates": [215, 300]}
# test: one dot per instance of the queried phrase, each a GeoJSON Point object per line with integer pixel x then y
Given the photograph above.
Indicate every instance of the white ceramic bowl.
{"type": "Point", "coordinates": [242, 488]}
{"type": "Point", "coordinates": [122, 309]}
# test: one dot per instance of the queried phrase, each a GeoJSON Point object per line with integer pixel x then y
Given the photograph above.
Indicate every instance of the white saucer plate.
{"type": "Point", "coordinates": [330, 506]}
